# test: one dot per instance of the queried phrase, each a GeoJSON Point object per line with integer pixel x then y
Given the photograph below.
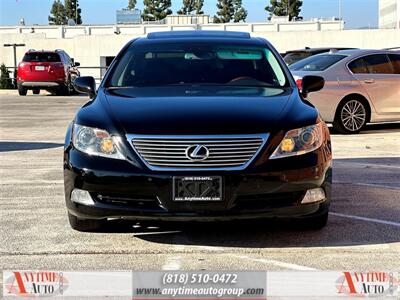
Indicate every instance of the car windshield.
{"type": "Point", "coordinates": [41, 57]}
{"type": "Point", "coordinates": [319, 62]}
{"type": "Point", "coordinates": [202, 64]}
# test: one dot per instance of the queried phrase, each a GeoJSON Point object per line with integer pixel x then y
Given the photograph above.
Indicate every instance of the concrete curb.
{"type": "Point", "coordinates": [8, 92]}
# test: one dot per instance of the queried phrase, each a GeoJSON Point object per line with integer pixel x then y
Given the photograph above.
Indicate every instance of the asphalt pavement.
{"type": "Point", "coordinates": [363, 232]}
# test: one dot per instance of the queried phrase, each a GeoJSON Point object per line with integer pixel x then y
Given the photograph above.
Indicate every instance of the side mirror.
{"type": "Point", "coordinates": [77, 64]}
{"type": "Point", "coordinates": [86, 85]}
{"type": "Point", "coordinates": [310, 84]}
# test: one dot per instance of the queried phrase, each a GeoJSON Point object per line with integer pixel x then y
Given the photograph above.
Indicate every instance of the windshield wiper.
{"type": "Point", "coordinates": [119, 87]}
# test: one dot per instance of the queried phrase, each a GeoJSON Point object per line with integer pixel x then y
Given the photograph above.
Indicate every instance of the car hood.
{"type": "Point", "coordinates": [178, 110]}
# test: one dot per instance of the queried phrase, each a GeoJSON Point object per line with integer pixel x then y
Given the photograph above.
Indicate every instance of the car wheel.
{"type": "Point", "coordinates": [351, 116]}
{"type": "Point", "coordinates": [22, 91]}
{"type": "Point", "coordinates": [85, 224]}
{"type": "Point", "coordinates": [36, 91]}
{"type": "Point", "coordinates": [71, 87]}
{"type": "Point", "coordinates": [314, 223]}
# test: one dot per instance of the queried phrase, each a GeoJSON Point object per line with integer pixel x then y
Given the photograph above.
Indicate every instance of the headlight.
{"type": "Point", "coordinates": [94, 141]}
{"type": "Point", "coordinates": [300, 141]}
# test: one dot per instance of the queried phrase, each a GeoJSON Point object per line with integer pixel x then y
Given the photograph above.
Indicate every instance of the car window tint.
{"type": "Point", "coordinates": [280, 76]}
{"type": "Point", "coordinates": [379, 64]}
{"type": "Point", "coordinates": [62, 58]}
{"type": "Point", "coordinates": [358, 66]}
{"type": "Point", "coordinates": [293, 57]}
{"type": "Point", "coordinates": [315, 63]}
{"type": "Point", "coordinates": [175, 64]}
{"type": "Point", "coordinates": [41, 57]}
{"type": "Point", "coordinates": [395, 59]}
{"type": "Point", "coordinates": [67, 58]}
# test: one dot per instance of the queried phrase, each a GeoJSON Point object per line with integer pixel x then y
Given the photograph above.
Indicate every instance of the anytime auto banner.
{"type": "Point", "coordinates": [201, 285]}
{"type": "Point", "coordinates": [67, 284]}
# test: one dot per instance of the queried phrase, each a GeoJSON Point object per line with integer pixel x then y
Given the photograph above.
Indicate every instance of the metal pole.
{"type": "Point", "coordinates": [340, 13]}
{"type": "Point", "coordinates": [15, 61]}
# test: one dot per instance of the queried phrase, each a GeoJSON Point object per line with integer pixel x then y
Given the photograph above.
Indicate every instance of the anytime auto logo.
{"type": "Point", "coordinates": [367, 284]}
{"type": "Point", "coordinates": [31, 284]}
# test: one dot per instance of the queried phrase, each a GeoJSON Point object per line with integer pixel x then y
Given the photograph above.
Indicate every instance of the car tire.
{"type": "Point", "coordinates": [313, 223]}
{"type": "Point", "coordinates": [36, 91]}
{"type": "Point", "coordinates": [351, 116]}
{"type": "Point", "coordinates": [70, 87]}
{"type": "Point", "coordinates": [85, 225]}
{"type": "Point", "coordinates": [22, 91]}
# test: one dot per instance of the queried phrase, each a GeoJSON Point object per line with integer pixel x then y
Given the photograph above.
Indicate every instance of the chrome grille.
{"type": "Point", "coordinates": [224, 151]}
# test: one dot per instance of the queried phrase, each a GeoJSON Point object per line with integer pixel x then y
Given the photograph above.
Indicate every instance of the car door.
{"type": "Point", "coordinates": [377, 74]}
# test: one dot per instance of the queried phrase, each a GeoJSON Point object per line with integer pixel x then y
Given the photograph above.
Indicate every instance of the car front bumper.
{"type": "Point", "coordinates": [120, 189]}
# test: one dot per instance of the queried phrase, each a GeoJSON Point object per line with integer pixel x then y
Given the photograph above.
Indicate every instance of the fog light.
{"type": "Point", "coordinates": [313, 195]}
{"type": "Point", "coordinates": [82, 197]}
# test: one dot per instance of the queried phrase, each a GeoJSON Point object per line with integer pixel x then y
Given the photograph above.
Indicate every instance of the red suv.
{"type": "Point", "coordinates": [53, 71]}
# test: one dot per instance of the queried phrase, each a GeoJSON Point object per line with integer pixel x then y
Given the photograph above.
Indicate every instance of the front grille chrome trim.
{"type": "Point", "coordinates": [227, 152]}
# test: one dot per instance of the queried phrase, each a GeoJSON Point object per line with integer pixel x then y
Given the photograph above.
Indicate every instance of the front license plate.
{"type": "Point", "coordinates": [197, 188]}
{"type": "Point", "coordinates": [39, 68]}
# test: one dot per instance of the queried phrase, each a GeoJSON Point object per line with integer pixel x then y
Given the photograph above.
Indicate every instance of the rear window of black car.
{"type": "Point", "coordinates": [316, 63]}
{"type": "Point", "coordinates": [293, 57]}
{"type": "Point", "coordinates": [197, 64]}
{"type": "Point", "coordinates": [41, 57]}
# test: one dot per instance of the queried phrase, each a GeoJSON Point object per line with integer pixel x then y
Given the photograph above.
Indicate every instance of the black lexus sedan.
{"type": "Point", "coordinates": [197, 126]}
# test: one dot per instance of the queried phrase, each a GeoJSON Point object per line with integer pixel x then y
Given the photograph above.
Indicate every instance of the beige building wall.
{"type": "Point", "coordinates": [88, 49]}
{"type": "Point", "coordinates": [389, 14]}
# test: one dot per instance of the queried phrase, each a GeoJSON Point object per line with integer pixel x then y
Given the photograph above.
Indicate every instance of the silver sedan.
{"type": "Point", "coordinates": [361, 86]}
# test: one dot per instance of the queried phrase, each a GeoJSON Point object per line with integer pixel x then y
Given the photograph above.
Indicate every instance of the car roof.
{"type": "Point", "coordinates": [354, 52]}
{"type": "Point", "coordinates": [307, 49]}
{"type": "Point", "coordinates": [357, 52]}
{"type": "Point", "coordinates": [201, 36]}
{"type": "Point", "coordinates": [44, 51]}
{"type": "Point", "coordinates": [193, 34]}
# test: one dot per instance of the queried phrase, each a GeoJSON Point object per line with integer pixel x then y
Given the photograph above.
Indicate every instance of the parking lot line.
{"type": "Point", "coordinates": [369, 164]}
{"type": "Point", "coordinates": [366, 219]}
{"type": "Point", "coordinates": [27, 197]}
{"type": "Point", "coordinates": [378, 185]}
{"type": "Point", "coordinates": [174, 263]}
{"type": "Point", "coordinates": [38, 181]}
{"type": "Point", "coordinates": [374, 185]}
{"type": "Point", "coordinates": [273, 262]}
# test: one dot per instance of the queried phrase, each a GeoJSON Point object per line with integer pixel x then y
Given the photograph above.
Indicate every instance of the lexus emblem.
{"type": "Point", "coordinates": [197, 152]}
